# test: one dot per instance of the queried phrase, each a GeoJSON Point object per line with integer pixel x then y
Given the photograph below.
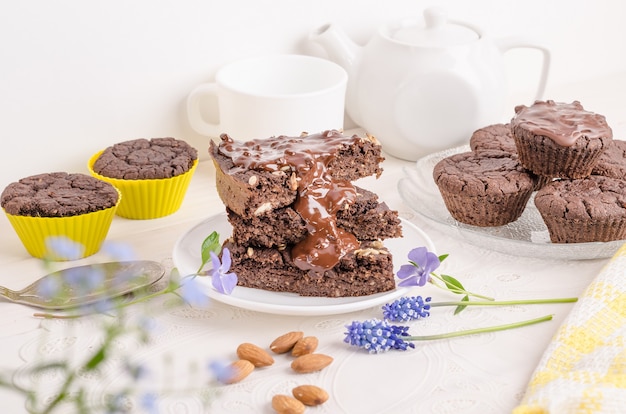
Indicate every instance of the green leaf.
{"type": "Point", "coordinates": [443, 257]}
{"type": "Point", "coordinates": [210, 244]}
{"type": "Point", "coordinates": [460, 308]}
{"type": "Point", "coordinates": [453, 284]}
{"type": "Point", "coordinates": [96, 359]}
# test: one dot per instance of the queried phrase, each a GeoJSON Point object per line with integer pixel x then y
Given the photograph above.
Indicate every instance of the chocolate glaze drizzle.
{"type": "Point", "coordinates": [563, 123]}
{"type": "Point", "coordinates": [319, 197]}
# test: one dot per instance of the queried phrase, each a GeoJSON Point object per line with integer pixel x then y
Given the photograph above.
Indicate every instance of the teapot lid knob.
{"type": "Point", "coordinates": [435, 17]}
{"type": "Point", "coordinates": [435, 31]}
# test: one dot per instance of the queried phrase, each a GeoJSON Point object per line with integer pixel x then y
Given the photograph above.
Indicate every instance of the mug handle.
{"type": "Point", "coordinates": [512, 42]}
{"type": "Point", "coordinates": [198, 123]}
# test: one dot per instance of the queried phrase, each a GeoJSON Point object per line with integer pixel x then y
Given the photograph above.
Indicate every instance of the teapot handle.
{"type": "Point", "coordinates": [513, 42]}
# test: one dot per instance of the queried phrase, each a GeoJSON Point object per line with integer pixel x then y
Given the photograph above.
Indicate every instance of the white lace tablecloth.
{"type": "Point", "coordinates": [479, 374]}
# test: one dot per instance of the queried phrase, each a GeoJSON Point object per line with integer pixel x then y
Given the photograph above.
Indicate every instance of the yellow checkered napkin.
{"type": "Point", "coordinates": [583, 370]}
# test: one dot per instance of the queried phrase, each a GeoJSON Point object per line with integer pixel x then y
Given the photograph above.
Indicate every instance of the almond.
{"type": "Point", "coordinates": [240, 369]}
{"type": "Point", "coordinates": [310, 395]}
{"type": "Point", "coordinates": [255, 354]}
{"type": "Point", "coordinates": [285, 342]}
{"type": "Point", "coordinates": [284, 404]}
{"type": "Point", "coordinates": [310, 363]}
{"type": "Point", "coordinates": [306, 345]}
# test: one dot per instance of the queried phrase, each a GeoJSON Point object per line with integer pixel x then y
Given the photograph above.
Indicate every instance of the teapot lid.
{"type": "Point", "coordinates": [434, 31]}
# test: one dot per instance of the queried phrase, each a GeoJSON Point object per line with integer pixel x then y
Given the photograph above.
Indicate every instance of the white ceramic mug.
{"type": "Point", "coordinates": [268, 96]}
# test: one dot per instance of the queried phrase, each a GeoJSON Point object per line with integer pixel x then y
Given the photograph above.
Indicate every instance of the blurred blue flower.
{"type": "Point", "coordinates": [377, 336]}
{"type": "Point", "coordinates": [49, 287]}
{"type": "Point", "coordinates": [149, 403]}
{"type": "Point", "coordinates": [138, 371]}
{"type": "Point", "coordinates": [222, 281]}
{"type": "Point", "coordinates": [64, 248]}
{"type": "Point", "coordinates": [121, 252]}
{"type": "Point", "coordinates": [422, 264]}
{"type": "Point", "coordinates": [83, 280]}
{"type": "Point", "coordinates": [147, 324]}
{"type": "Point", "coordinates": [221, 370]}
{"type": "Point", "coordinates": [101, 306]}
{"type": "Point", "coordinates": [191, 291]}
{"type": "Point", "coordinates": [407, 309]}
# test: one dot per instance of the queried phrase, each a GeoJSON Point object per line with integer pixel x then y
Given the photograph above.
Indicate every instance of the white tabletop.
{"type": "Point", "coordinates": [484, 373]}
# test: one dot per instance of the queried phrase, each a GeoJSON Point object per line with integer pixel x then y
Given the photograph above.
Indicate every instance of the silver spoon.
{"type": "Point", "coordinates": [119, 278]}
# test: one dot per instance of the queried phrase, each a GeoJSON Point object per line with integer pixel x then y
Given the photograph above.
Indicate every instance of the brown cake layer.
{"type": "Point", "coordinates": [488, 188]}
{"type": "Point", "coordinates": [57, 194]}
{"type": "Point", "coordinates": [366, 218]}
{"type": "Point", "coordinates": [591, 209]}
{"type": "Point", "coordinates": [365, 271]}
{"type": "Point", "coordinates": [146, 159]}
{"type": "Point", "coordinates": [250, 191]}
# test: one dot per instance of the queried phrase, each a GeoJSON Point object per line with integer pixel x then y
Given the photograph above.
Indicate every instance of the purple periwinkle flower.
{"type": "Point", "coordinates": [377, 336]}
{"type": "Point", "coordinates": [407, 309]}
{"type": "Point", "coordinates": [222, 281]}
{"type": "Point", "coordinates": [422, 264]}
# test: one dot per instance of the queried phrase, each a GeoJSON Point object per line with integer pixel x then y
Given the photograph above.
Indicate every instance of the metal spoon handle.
{"type": "Point", "coordinates": [9, 294]}
{"type": "Point", "coordinates": [116, 278]}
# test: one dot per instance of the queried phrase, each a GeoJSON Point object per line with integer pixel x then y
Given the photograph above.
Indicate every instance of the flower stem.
{"type": "Point", "coordinates": [455, 289]}
{"type": "Point", "coordinates": [504, 302]}
{"type": "Point", "coordinates": [478, 330]}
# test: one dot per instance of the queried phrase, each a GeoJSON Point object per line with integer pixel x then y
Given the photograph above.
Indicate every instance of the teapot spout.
{"type": "Point", "coordinates": [339, 47]}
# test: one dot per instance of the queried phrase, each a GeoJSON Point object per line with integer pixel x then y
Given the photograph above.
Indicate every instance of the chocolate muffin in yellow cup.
{"type": "Point", "coordinates": [46, 207]}
{"type": "Point", "coordinates": [152, 175]}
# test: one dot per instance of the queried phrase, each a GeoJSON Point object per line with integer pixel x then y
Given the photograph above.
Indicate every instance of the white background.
{"type": "Point", "coordinates": [77, 76]}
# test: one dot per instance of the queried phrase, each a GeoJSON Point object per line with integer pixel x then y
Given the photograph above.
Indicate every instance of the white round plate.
{"type": "Point", "coordinates": [527, 236]}
{"type": "Point", "coordinates": [187, 259]}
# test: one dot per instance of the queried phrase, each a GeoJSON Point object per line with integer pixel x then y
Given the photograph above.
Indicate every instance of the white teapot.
{"type": "Point", "coordinates": [423, 86]}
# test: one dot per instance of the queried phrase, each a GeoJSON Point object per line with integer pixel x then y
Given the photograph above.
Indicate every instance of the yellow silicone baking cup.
{"type": "Point", "coordinates": [88, 230]}
{"type": "Point", "coordinates": [151, 198]}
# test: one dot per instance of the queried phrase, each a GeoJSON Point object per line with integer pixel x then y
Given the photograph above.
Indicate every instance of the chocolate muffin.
{"type": "Point", "coordinates": [591, 209]}
{"type": "Point", "coordinates": [49, 206]}
{"type": "Point", "coordinates": [57, 194]}
{"type": "Point", "coordinates": [152, 175]}
{"type": "Point", "coordinates": [612, 162]}
{"type": "Point", "coordinates": [496, 137]}
{"type": "Point", "coordinates": [559, 139]}
{"type": "Point", "coordinates": [487, 188]}
{"type": "Point", "coordinates": [142, 159]}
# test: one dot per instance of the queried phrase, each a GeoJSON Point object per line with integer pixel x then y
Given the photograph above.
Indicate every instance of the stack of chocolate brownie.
{"type": "Point", "coordinates": [299, 223]}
